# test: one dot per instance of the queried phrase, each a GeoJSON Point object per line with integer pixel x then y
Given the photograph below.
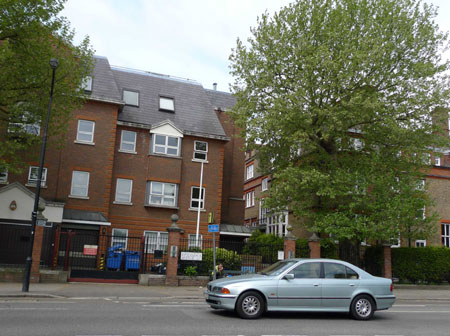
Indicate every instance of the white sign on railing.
{"type": "Point", "coordinates": [191, 256]}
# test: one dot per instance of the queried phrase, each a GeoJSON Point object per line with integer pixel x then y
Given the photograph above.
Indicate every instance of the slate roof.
{"type": "Point", "coordinates": [194, 112]}
{"type": "Point", "coordinates": [83, 215]}
{"type": "Point", "coordinates": [104, 86]}
{"type": "Point", "coordinates": [221, 100]}
{"type": "Point", "coordinates": [238, 230]}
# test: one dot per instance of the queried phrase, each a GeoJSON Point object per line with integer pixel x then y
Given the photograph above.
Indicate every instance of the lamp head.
{"type": "Point", "coordinates": [53, 63]}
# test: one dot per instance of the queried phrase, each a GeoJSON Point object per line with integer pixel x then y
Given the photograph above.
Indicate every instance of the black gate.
{"type": "Point", "coordinates": [88, 255]}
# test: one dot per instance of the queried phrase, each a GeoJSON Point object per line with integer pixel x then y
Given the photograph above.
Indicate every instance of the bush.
{"type": "Point", "coordinates": [421, 265]}
{"type": "Point", "coordinates": [191, 271]}
{"type": "Point", "coordinates": [230, 260]}
{"type": "Point", "coordinates": [329, 249]}
{"type": "Point", "coordinates": [264, 245]}
{"type": "Point", "coordinates": [301, 248]}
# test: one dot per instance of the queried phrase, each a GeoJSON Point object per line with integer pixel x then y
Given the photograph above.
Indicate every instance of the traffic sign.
{"type": "Point", "coordinates": [213, 228]}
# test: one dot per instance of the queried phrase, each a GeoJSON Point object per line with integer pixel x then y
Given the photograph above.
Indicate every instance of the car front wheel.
{"type": "Point", "coordinates": [362, 308]}
{"type": "Point", "coordinates": [250, 305]}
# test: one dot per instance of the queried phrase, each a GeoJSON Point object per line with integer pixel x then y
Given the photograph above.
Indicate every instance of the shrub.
{"type": "Point", "coordinates": [191, 271]}
{"type": "Point", "coordinates": [230, 260]}
{"type": "Point", "coordinates": [427, 264]}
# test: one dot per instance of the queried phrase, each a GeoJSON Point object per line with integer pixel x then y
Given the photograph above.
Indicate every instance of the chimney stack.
{"type": "Point", "coordinates": [215, 86]}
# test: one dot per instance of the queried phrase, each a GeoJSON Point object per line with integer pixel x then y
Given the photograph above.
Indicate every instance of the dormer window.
{"type": "Point", "coordinates": [131, 97]}
{"type": "Point", "coordinates": [86, 84]}
{"type": "Point", "coordinates": [166, 104]}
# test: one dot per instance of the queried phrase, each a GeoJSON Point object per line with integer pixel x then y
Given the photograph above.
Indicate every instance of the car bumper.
{"type": "Point", "coordinates": [220, 301]}
{"type": "Point", "coordinates": [385, 301]}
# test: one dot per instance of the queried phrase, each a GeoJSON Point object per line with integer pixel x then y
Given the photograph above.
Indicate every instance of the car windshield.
{"type": "Point", "coordinates": [278, 268]}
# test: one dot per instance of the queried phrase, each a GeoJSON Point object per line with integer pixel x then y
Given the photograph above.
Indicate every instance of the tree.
{"type": "Point", "coordinates": [340, 97]}
{"type": "Point", "coordinates": [31, 33]}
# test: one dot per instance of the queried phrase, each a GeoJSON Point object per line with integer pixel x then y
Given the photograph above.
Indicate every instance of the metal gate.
{"type": "Point", "coordinates": [89, 256]}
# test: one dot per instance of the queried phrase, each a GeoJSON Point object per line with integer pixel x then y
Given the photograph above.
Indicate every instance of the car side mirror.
{"type": "Point", "coordinates": [289, 276]}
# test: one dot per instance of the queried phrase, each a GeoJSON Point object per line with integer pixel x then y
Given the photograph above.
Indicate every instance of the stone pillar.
{"type": "Point", "coordinates": [387, 261]}
{"type": "Point", "coordinates": [289, 246]}
{"type": "Point", "coordinates": [174, 247]}
{"type": "Point", "coordinates": [36, 254]}
{"type": "Point", "coordinates": [314, 246]}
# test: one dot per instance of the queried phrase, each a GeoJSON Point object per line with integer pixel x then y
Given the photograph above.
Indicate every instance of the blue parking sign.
{"type": "Point", "coordinates": [213, 228]}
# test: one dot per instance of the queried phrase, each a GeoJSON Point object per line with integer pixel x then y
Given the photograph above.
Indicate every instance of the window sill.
{"type": "Point", "coordinates": [84, 143]}
{"type": "Point", "coordinates": [197, 160]}
{"type": "Point", "coordinates": [161, 206]}
{"type": "Point", "coordinates": [79, 197]}
{"type": "Point", "coordinates": [166, 156]}
{"type": "Point", "coordinates": [127, 152]}
{"type": "Point", "coordinates": [196, 209]}
{"type": "Point", "coordinates": [122, 203]}
{"type": "Point", "coordinates": [33, 185]}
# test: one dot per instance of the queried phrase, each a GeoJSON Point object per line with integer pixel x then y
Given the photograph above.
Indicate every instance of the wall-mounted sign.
{"type": "Point", "coordinates": [13, 205]}
{"type": "Point", "coordinates": [280, 255]}
{"type": "Point", "coordinates": [191, 256]}
{"type": "Point", "coordinates": [90, 249]}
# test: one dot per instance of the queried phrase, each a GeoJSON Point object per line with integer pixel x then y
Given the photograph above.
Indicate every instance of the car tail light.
{"type": "Point", "coordinates": [392, 287]}
{"type": "Point", "coordinates": [225, 291]}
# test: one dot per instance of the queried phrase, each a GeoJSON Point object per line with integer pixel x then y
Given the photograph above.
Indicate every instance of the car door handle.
{"type": "Point", "coordinates": [316, 285]}
{"type": "Point", "coordinates": [351, 285]}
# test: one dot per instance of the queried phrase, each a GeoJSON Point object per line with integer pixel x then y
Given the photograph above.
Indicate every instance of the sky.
{"type": "Point", "coordinates": [182, 38]}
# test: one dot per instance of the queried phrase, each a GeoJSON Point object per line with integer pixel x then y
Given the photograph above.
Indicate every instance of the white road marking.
{"type": "Point", "coordinates": [418, 311]}
{"type": "Point", "coordinates": [408, 306]}
{"type": "Point", "coordinates": [32, 308]}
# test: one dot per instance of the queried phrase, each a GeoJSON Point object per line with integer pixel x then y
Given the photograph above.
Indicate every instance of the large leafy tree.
{"type": "Point", "coordinates": [31, 33]}
{"type": "Point", "coordinates": [341, 98]}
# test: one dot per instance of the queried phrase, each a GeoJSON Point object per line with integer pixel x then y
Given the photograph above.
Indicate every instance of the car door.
{"type": "Point", "coordinates": [304, 290]}
{"type": "Point", "coordinates": [338, 285]}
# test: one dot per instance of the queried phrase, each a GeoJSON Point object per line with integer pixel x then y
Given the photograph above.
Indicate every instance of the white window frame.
{"type": "Point", "coordinates": [192, 241]}
{"type": "Point", "coordinates": [160, 243]}
{"type": "Point", "coordinates": [445, 234]}
{"type": "Point", "coordinates": [420, 243]}
{"type": "Point", "coordinates": [86, 84]}
{"type": "Point", "coordinates": [125, 142]}
{"type": "Point", "coordinates": [162, 195]}
{"type": "Point", "coordinates": [32, 181]}
{"type": "Point", "coordinates": [437, 161]}
{"type": "Point", "coordinates": [201, 200]}
{"type": "Point", "coordinates": [250, 171]}
{"type": "Point", "coordinates": [247, 200]}
{"type": "Point", "coordinates": [166, 104]}
{"type": "Point", "coordinates": [124, 194]}
{"type": "Point", "coordinates": [200, 152]}
{"type": "Point", "coordinates": [86, 187]}
{"type": "Point", "coordinates": [118, 239]}
{"type": "Point", "coordinates": [4, 176]}
{"type": "Point", "coordinates": [166, 145]}
{"type": "Point", "coordinates": [265, 184]}
{"type": "Point", "coordinates": [130, 97]}
{"type": "Point", "coordinates": [90, 134]}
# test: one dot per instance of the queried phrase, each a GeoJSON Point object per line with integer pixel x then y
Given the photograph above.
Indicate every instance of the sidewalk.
{"type": "Point", "coordinates": [162, 293]}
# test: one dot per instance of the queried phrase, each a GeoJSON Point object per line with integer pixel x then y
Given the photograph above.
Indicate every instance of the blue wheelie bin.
{"type": "Point", "coordinates": [115, 255]}
{"type": "Point", "coordinates": [132, 260]}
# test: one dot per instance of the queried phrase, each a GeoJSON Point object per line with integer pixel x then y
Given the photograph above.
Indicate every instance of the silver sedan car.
{"type": "Point", "coordinates": [313, 285]}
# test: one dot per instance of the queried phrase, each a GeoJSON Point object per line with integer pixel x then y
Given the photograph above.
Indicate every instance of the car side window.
{"type": "Point", "coordinates": [334, 271]}
{"type": "Point", "coordinates": [307, 271]}
{"type": "Point", "coordinates": [351, 274]}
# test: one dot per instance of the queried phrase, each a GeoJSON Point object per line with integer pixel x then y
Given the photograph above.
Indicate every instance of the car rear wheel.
{"type": "Point", "coordinates": [362, 308]}
{"type": "Point", "coordinates": [250, 305]}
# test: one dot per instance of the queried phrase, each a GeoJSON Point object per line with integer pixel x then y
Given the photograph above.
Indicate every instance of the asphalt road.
{"type": "Point", "coordinates": [86, 316]}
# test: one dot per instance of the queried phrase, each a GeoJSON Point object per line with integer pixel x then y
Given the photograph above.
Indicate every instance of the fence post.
{"type": "Point", "coordinates": [36, 254]}
{"type": "Point", "coordinates": [387, 261]}
{"type": "Point", "coordinates": [174, 247]}
{"type": "Point", "coordinates": [314, 246]}
{"type": "Point", "coordinates": [289, 245]}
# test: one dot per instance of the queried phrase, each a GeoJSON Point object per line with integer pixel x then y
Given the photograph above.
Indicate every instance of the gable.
{"type": "Point", "coordinates": [167, 128]}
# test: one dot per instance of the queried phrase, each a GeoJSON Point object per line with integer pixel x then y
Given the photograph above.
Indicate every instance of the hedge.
{"type": "Point", "coordinates": [421, 265]}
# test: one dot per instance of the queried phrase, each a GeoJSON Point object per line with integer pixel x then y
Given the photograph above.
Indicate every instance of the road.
{"type": "Point", "coordinates": [132, 316]}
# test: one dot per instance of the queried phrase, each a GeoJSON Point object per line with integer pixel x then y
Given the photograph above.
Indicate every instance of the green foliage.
{"type": "Point", "coordinates": [191, 271]}
{"type": "Point", "coordinates": [329, 249]}
{"type": "Point", "coordinates": [264, 245]}
{"type": "Point", "coordinates": [421, 265]}
{"type": "Point", "coordinates": [301, 248]}
{"type": "Point", "coordinates": [317, 75]}
{"type": "Point", "coordinates": [31, 33]}
{"type": "Point", "coordinates": [230, 260]}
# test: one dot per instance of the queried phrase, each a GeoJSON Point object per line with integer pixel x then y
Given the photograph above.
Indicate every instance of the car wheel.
{"type": "Point", "coordinates": [250, 305]}
{"type": "Point", "coordinates": [362, 308]}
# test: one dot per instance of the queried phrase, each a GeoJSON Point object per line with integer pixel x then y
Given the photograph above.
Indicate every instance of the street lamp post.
{"type": "Point", "coordinates": [34, 214]}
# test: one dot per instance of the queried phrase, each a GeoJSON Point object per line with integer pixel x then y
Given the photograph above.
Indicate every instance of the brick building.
{"type": "Point", "coordinates": [133, 156]}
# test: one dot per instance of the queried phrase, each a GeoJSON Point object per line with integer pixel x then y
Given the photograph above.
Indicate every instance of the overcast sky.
{"type": "Point", "coordinates": [184, 38]}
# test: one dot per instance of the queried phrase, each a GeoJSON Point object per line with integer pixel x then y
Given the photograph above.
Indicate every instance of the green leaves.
{"type": "Point", "coordinates": [31, 33]}
{"type": "Point", "coordinates": [340, 98]}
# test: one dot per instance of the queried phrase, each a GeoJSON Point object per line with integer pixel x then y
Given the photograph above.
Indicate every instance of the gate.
{"type": "Point", "coordinates": [88, 255]}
